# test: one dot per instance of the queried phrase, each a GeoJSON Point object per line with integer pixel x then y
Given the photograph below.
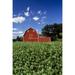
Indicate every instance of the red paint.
{"type": "Point", "coordinates": [32, 36]}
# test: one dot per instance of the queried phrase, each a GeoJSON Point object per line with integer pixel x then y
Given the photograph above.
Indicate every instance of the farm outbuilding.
{"type": "Point", "coordinates": [31, 35]}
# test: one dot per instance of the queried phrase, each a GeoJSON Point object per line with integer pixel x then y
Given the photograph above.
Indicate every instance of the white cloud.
{"type": "Point", "coordinates": [26, 14]}
{"type": "Point", "coordinates": [28, 8]}
{"type": "Point", "coordinates": [20, 32]}
{"type": "Point", "coordinates": [17, 32]}
{"type": "Point", "coordinates": [18, 19]}
{"type": "Point", "coordinates": [14, 29]}
{"type": "Point", "coordinates": [35, 18]}
{"type": "Point", "coordinates": [39, 12]}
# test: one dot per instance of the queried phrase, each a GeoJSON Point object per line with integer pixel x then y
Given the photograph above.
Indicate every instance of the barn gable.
{"type": "Point", "coordinates": [31, 35]}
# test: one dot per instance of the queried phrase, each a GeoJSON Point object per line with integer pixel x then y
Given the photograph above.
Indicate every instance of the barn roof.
{"type": "Point", "coordinates": [30, 29]}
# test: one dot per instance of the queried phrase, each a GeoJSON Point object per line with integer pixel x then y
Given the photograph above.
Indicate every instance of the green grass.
{"type": "Point", "coordinates": [37, 58]}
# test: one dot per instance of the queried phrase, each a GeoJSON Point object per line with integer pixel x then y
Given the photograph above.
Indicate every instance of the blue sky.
{"type": "Point", "coordinates": [35, 14]}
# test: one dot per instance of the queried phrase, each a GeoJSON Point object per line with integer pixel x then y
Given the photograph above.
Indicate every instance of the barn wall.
{"type": "Point", "coordinates": [30, 40]}
{"type": "Point", "coordinates": [44, 39]}
{"type": "Point", "coordinates": [37, 39]}
{"type": "Point", "coordinates": [30, 35]}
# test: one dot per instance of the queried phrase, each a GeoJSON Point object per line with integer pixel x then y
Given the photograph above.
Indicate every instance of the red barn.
{"type": "Point", "coordinates": [32, 36]}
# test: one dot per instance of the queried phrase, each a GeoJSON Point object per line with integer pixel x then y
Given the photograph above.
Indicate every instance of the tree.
{"type": "Point", "coordinates": [52, 31]}
{"type": "Point", "coordinates": [19, 38]}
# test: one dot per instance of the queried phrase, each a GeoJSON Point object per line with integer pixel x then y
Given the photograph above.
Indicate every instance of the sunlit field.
{"type": "Point", "coordinates": [37, 58]}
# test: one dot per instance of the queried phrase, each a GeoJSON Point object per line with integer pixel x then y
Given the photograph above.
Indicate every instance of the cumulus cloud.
{"type": "Point", "coordinates": [18, 19]}
{"type": "Point", "coordinates": [35, 18]}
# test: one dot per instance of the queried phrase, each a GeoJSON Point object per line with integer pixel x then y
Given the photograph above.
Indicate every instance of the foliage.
{"type": "Point", "coordinates": [37, 58]}
{"type": "Point", "coordinates": [52, 31]}
{"type": "Point", "coordinates": [17, 39]}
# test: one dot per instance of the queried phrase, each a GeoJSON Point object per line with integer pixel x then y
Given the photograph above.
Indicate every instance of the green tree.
{"type": "Point", "coordinates": [54, 31]}
{"type": "Point", "coordinates": [19, 38]}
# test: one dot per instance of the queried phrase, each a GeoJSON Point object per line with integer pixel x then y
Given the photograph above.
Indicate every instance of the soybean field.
{"type": "Point", "coordinates": [31, 58]}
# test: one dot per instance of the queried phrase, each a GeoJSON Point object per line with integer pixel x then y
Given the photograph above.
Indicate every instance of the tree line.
{"type": "Point", "coordinates": [52, 30]}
